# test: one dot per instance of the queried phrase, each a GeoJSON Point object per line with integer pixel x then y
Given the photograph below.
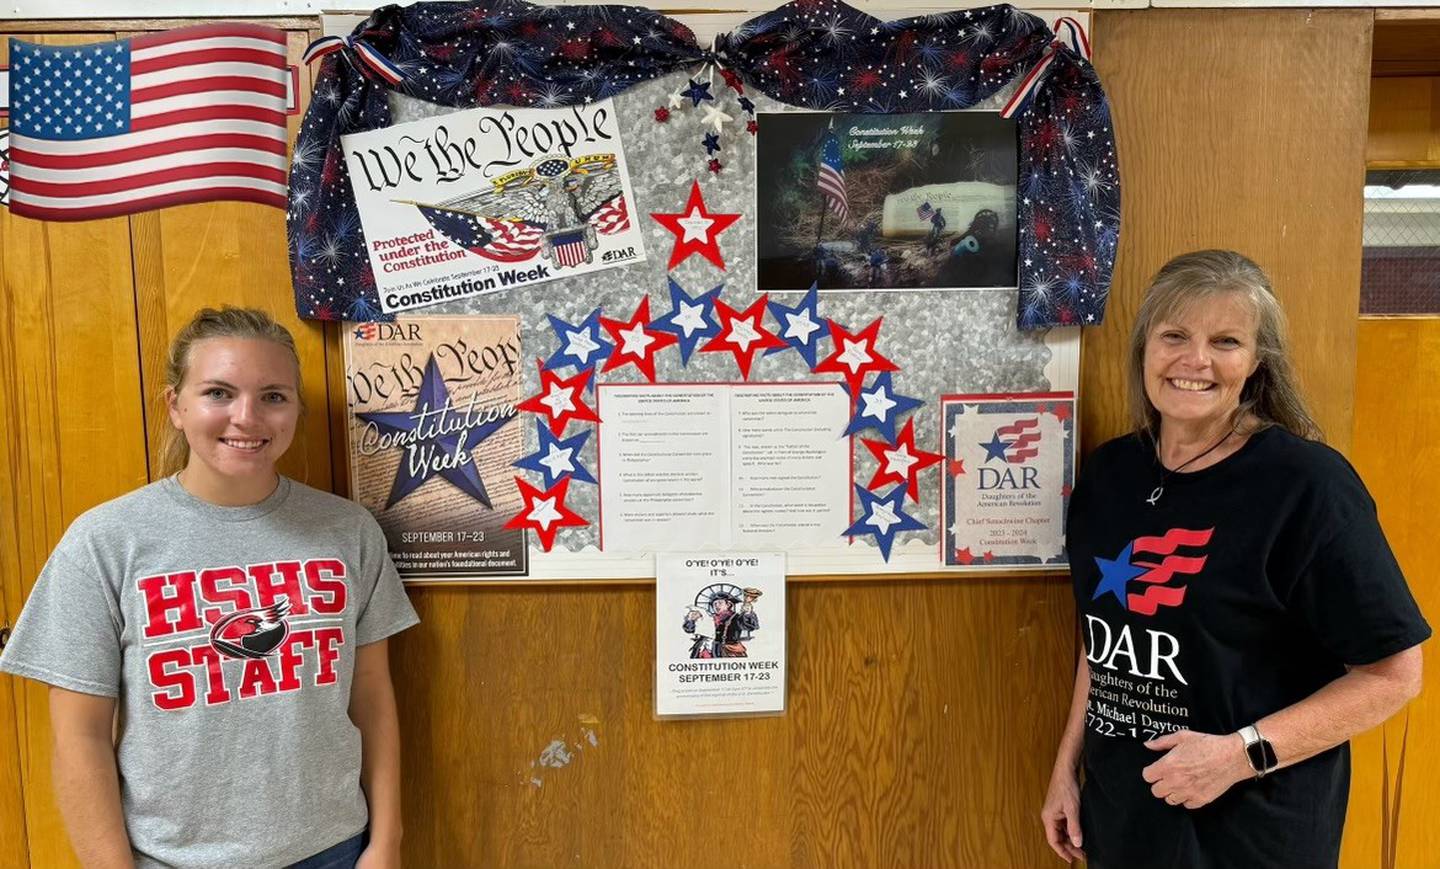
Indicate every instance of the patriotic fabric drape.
{"type": "Point", "coordinates": [188, 115]}
{"type": "Point", "coordinates": [820, 54]}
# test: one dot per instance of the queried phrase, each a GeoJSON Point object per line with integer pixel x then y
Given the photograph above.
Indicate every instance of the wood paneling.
{"type": "Point", "coordinates": [227, 253]}
{"type": "Point", "coordinates": [920, 731]}
{"type": "Point", "coordinates": [1405, 121]}
{"type": "Point", "coordinates": [1397, 452]}
{"type": "Point", "coordinates": [78, 433]}
{"type": "Point", "coordinates": [923, 714]}
{"type": "Point", "coordinates": [1407, 42]}
{"type": "Point", "coordinates": [1245, 130]}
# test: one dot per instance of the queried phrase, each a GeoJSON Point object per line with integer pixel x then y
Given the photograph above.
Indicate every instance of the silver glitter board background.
{"type": "Point", "coordinates": [950, 341]}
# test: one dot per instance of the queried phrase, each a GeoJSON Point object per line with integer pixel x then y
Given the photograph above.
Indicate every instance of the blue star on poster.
{"type": "Point", "coordinates": [581, 345]}
{"type": "Point", "coordinates": [880, 407]}
{"type": "Point", "coordinates": [883, 517]}
{"type": "Point", "coordinates": [801, 326]}
{"type": "Point", "coordinates": [690, 318]}
{"type": "Point", "coordinates": [556, 457]}
{"type": "Point", "coordinates": [436, 434]}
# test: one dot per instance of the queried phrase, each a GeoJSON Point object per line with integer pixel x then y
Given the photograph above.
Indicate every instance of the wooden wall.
{"type": "Point", "coordinates": [923, 711]}
{"type": "Point", "coordinates": [1397, 451]}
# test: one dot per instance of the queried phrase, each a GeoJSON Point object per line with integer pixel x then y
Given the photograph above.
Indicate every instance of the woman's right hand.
{"type": "Point", "coordinates": [1061, 816]}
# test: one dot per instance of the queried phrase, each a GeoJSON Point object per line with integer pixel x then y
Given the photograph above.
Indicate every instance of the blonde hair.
{"type": "Point", "coordinates": [1270, 395]}
{"type": "Point", "coordinates": [227, 322]}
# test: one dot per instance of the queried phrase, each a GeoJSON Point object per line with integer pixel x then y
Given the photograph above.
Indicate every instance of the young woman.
{"type": "Point", "coordinates": [215, 641]}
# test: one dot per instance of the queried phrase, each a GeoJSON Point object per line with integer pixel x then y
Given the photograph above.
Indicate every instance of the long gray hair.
{"type": "Point", "coordinates": [1270, 394]}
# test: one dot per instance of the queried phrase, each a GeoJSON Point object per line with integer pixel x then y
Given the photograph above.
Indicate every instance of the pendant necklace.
{"type": "Point", "coordinates": [1166, 474]}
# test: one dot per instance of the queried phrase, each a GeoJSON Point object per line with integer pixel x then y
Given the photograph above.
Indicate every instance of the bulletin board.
{"type": "Point", "coordinates": [944, 339]}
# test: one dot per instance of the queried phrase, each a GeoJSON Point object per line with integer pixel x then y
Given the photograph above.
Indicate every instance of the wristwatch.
{"type": "Point", "coordinates": [1258, 751]}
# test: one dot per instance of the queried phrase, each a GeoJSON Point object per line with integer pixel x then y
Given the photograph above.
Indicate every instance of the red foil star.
{"type": "Point", "coordinates": [544, 512]}
{"type": "Point", "coordinates": [855, 355]}
{"type": "Point", "coordinates": [662, 114]}
{"type": "Point", "coordinates": [559, 401]}
{"type": "Point", "coordinates": [743, 333]}
{"type": "Point", "coordinates": [903, 454]}
{"type": "Point", "coordinates": [696, 229]}
{"type": "Point", "coordinates": [635, 341]}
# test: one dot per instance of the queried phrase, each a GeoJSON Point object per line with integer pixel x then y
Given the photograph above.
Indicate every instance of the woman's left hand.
{"type": "Point", "coordinates": [379, 856]}
{"type": "Point", "coordinates": [1196, 767]}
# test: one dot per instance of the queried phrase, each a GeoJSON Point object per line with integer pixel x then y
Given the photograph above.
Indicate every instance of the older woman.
{"type": "Point", "coordinates": [1241, 612]}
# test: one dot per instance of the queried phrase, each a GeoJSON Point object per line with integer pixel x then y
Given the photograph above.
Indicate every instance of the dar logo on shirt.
{"type": "Point", "coordinates": [1155, 562]}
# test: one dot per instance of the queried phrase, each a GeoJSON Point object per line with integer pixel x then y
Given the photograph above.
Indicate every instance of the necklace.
{"type": "Point", "coordinates": [1166, 474]}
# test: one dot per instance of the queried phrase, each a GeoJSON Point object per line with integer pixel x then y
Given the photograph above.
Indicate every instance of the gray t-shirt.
{"type": "Point", "coordinates": [228, 635]}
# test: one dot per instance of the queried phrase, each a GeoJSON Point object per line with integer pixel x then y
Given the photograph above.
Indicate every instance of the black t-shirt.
{"type": "Point", "coordinates": [1245, 588]}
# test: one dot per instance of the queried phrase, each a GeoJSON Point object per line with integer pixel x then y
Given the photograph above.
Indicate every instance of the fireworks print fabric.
{"type": "Point", "coordinates": [817, 54]}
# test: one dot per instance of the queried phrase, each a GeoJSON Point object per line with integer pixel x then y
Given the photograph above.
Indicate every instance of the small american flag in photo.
{"type": "Point", "coordinates": [195, 114]}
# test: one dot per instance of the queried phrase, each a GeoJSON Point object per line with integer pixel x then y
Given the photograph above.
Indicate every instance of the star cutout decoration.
{"type": "Point", "coordinates": [712, 143]}
{"type": "Point", "coordinates": [742, 333]}
{"type": "Point", "coordinates": [900, 461]}
{"type": "Point", "coordinates": [557, 458]}
{"type": "Point", "coordinates": [698, 92]}
{"type": "Point", "coordinates": [995, 449]}
{"type": "Point", "coordinates": [635, 341]}
{"type": "Point", "coordinates": [854, 355]}
{"type": "Point", "coordinates": [879, 407]}
{"type": "Point", "coordinates": [696, 229]}
{"type": "Point", "coordinates": [544, 512]}
{"type": "Point", "coordinates": [581, 346]}
{"type": "Point", "coordinates": [436, 434]}
{"type": "Point", "coordinates": [882, 516]}
{"type": "Point", "coordinates": [964, 556]}
{"type": "Point", "coordinates": [800, 327]}
{"type": "Point", "coordinates": [559, 400]}
{"type": "Point", "coordinates": [715, 118]}
{"type": "Point", "coordinates": [746, 105]}
{"type": "Point", "coordinates": [690, 318]}
{"type": "Point", "coordinates": [733, 80]}
{"type": "Point", "coordinates": [1115, 575]}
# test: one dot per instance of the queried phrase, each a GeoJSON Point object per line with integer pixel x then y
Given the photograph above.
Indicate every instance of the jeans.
{"type": "Point", "coordinates": [341, 856]}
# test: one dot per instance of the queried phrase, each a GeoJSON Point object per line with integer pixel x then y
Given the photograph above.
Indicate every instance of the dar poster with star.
{"type": "Point", "coordinates": [1009, 469]}
{"type": "Point", "coordinates": [433, 433]}
{"type": "Point", "coordinates": [487, 199]}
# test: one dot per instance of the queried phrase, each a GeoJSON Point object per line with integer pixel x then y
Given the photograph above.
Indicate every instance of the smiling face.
{"type": "Point", "coordinates": [237, 406]}
{"type": "Point", "coordinates": [1198, 359]}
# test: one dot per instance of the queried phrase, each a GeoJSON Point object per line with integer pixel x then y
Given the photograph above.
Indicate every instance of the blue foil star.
{"type": "Point", "coordinates": [800, 327]}
{"type": "Point", "coordinates": [435, 440]}
{"type": "Point", "coordinates": [698, 91]}
{"type": "Point", "coordinates": [556, 457]}
{"type": "Point", "coordinates": [882, 516]}
{"type": "Point", "coordinates": [580, 346]}
{"type": "Point", "coordinates": [1116, 574]}
{"type": "Point", "coordinates": [712, 143]}
{"type": "Point", "coordinates": [690, 319]}
{"type": "Point", "coordinates": [879, 407]}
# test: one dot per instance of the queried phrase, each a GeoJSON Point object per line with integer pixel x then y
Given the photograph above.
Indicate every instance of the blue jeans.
{"type": "Point", "coordinates": [341, 856]}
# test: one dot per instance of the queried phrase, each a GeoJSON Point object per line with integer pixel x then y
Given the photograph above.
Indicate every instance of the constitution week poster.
{"type": "Point", "coordinates": [433, 433]}
{"type": "Point", "coordinates": [489, 199]}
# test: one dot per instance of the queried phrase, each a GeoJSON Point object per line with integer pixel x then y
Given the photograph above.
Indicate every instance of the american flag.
{"type": "Point", "coordinates": [832, 176]}
{"type": "Point", "coordinates": [514, 240]}
{"type": "Point", "coordinates": [924, 212]}
{"type": "Point", "coordinates": [189, 115]}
